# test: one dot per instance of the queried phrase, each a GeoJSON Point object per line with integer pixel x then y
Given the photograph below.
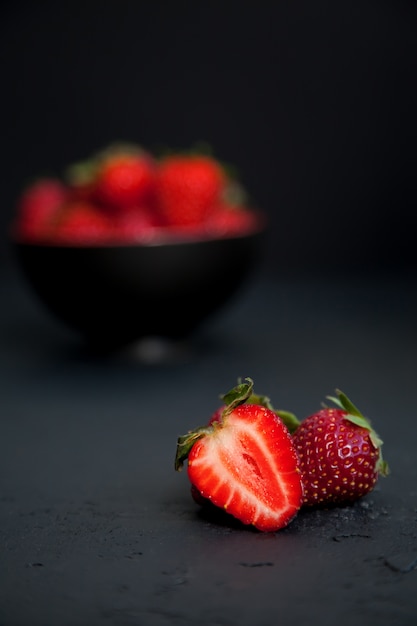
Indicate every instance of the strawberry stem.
{"type": "Point", "coordinates": [354, 415]}
{"type": "Point", "coordinates": [243, 392]}
{"type": "Point", "coordinates": [236, 396]}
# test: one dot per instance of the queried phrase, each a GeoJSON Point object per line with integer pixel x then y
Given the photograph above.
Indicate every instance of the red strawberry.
{"type": "Point", "coordinates": [230, 220]}
{"type": "Point", "coordinates": [124, 180]}
{"type": "Point", "coordinates": [187, 188]}
{"type": "Point", "coordinates": [244, 462]}
{"type": "Point", "coordinates": [340, 454]}
{"type": "Point", "coordinates": [82, 223]}
{"type": "Point", "coordinates": [289, 419]}
{"type": "Point", "coordinates": [136, 225]}
{"type": "Point", "coordinates": [119, 178]}
{"type": "Point", "coordinates": [37, 206]}
{"type": "Point", "coordinates": [81, 191]}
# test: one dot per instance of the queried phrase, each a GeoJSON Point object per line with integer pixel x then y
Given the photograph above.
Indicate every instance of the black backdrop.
{"type": "Point", "coordinates": [314, 102]}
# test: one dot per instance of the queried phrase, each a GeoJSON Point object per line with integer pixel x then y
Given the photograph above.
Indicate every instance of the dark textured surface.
{"type": "Point", "coordinates": [96, 527]}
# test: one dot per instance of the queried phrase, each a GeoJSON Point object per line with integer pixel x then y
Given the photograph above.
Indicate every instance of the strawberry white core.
{"type": "Point", "coordinates": [248, 468]}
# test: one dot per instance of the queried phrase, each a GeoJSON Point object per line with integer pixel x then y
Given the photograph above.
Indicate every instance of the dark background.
{"type": "Point", "coordinates": [314, 103]}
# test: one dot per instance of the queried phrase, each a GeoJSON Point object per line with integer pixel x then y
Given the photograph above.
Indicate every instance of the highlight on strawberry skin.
{"type": "Point", "coordinates": [244, 462]}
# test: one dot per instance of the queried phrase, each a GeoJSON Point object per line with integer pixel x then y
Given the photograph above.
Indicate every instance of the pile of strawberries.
{"type": "Point", "coordinates": [261, 465]}
{"type": "Point", "coordinates": [125, 194]}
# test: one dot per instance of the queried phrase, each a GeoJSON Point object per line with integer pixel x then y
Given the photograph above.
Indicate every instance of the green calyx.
{"type": "Point", "coordinates": [186, 442]}
{"type": "Point", "coordinates": [81, 173]}
{"type": "Point", "coordinates": [243, 392]}
{"type": "Point", "coordinates": [236, 396]}
{"type": "Point", "coordinates": [354, 415]}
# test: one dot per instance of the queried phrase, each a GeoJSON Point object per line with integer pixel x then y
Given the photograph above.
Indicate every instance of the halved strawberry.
{"type": "Point", "coordinates": [244, 462]}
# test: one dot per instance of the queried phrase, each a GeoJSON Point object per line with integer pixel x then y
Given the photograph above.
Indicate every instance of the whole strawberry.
{"type": "Point", "coordinates": [339, 453]}
{"type": "Point", "coordinates": [120, 178]}
{"type": "Point", "coordinates": [244, 462]}
{"type": "Point", "coordinates": [37, 208]}
{"type": "Point", "coordinates": [124, 181]}
{"type": "Point", "coordinates": [188, 187]}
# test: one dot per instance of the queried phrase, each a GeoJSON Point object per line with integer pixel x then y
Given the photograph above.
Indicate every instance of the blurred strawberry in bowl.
{"type": "Point", "coordinates": [143, 245]}
{"type": "Point", "coordinates": [188, 188]}
{"type": "Point", "coordinates": [117, 178]}
{"type": "Point", "coordinates": [37, 207]}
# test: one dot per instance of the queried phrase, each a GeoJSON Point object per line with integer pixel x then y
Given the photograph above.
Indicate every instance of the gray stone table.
{"type": "Point", "coordinates": [96, 527]}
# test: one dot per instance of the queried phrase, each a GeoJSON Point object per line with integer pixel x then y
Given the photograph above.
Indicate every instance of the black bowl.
{"type": "Point", "coordinates": [118, 294]}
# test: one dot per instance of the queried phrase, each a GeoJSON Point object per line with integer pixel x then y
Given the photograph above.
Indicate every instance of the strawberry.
{"type": "Point", "coordinates": [37, 206]}
{"type": "Point", "coordinates": [124, 180]}
{"type": "Point", "coordinates": [136, 225]}
{"type": "Point", "coordinates": [230, 220]}
{"type": "Point", "coordinates": [81, 222]}
{"type": "Point", "coordinates": [187, 188]}
{"type": "Point", "coordinates": [340, 454]}
{"type": "Point", "coordinates": [118, 178]}
{"type": "Point", "coordinates": [244, 462]}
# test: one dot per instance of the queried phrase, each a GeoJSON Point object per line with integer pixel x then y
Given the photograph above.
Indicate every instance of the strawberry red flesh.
{"type": "Point", "coordinates": [248, 467]}
{"type": "Point", "coordinates": [246, 464]}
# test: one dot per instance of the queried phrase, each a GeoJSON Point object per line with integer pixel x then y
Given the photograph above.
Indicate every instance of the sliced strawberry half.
{"type": "Point", "coordinates": [245, 462]}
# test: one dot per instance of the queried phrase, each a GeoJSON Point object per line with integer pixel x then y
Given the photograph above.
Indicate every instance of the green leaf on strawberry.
{"type": "Point", "coordinates": [354, 415]}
